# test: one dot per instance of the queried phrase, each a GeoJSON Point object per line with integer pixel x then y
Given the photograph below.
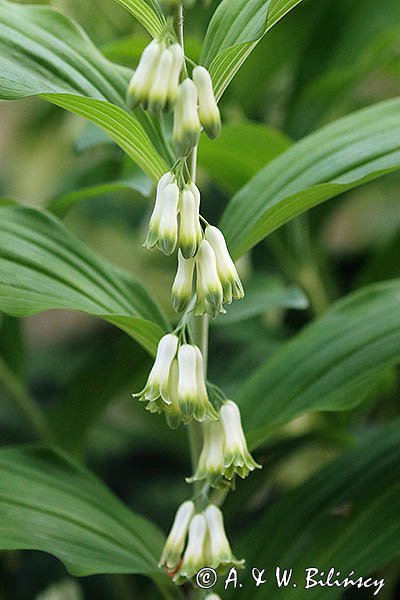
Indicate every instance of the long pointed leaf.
{"type": "Point", "coordinates": [329, 366]}
{"type": "Point", "coordinates": [44, 266]}
{"type": "Point", "coordinates": [70, 514]}
{"type": "Point", "coordinates": [341, 156]}
{"type": "Point", "coordinates": [147, 12]}
{"type": "Point", "coordinates": [234, 31]}
{"type": "Point", "coordinates": [42, 52]}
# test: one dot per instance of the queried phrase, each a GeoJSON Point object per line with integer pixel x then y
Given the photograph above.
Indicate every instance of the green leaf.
{"type": "Point", "coordinates": [263, 294]}
{"type": "Point", "coordinates": [345, 517]}
{"type": "Point", "coordinates": [330, 365]}
{"type": "Point", "coordinates": [240, 152]}
{"type": "Point", "coordinates": [44, 266]}
{"type": "Point", "coordinates": [72, 515]}
{"type": "Point", "coordinates": [147, 12]}
{"type": "Point", "coordinates": [234, 31]}
{"type": "Point", "coordinates": [42, 52]}
{"type": "Point", "coordinates": [343, 155]}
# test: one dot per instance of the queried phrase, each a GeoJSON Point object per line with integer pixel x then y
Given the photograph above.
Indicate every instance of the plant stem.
{"type": "Point", "coordinates": [26, 404]}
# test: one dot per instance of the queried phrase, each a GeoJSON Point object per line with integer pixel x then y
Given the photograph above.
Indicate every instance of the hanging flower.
{"type": "Point", "coordinates": [209, 293]}
{"type": "Point", "coordinates": [172, 552]}
{"type": "Point", "coordinates": [158, 381]}
{"type": "Point", "coordinates": [192, 394]}
{"type": "Point", "coordinates": [224, 452]}
{"type": "Point", "coordinates": [189, 219]}
{"type": "Point", "coordinates": [194, 557]}
{"type": "Point", "coordinates": [163, 226]}
{"type": "Point", "coordinates": [208, 109]}
{"type": "Point", "coordinates": [219, 551]}
{"type": "Point", "coordinates": [226, 269]}
{"type": "Point", "coordinates": [237, 458]}
{"type": "Point", "coordinates": [187, 126]}
{"type": "Point", "coordinates": [142, 78]}
{"type": "Point", "coordinates": [157, 96]}
{"type": "Point", "coordinates": [182, 288]}
{"type": "Point", "coordinates": [155, 82]}
{"type": "Point", "coordinates": [210, 466]}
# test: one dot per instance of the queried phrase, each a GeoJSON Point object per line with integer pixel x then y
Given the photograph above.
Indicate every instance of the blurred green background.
{"type": "Point", "coordinates": [324, 60]}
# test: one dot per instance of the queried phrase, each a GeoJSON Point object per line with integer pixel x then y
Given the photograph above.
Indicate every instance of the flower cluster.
{"type": "Point", "coordinates": [197, 541]}
{"type": "Point", "coordinates": [156, 86]}
{"type": "Point", "coordinates": [204, 261]}
{"type": "Point", "coordinates": [175, 219]}
{"type": "Point", "coordinates": [224, 453]}
{"type": "Point", "coordinates": [176, 384]}
{"type": "Point", "coordinates": [155, 82]}
{"type": "Point", "coordinates": [205, 281]}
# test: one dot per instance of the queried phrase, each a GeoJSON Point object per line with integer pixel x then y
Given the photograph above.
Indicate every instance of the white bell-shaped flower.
{"type": "Point", "coordinates": [210, 466]}
{"type": "Point", "coordinates": [220, 554]}
{"type": "Point", "coordinates": [226, 269]}
{"type": "Point", "coordinates": [175, 73]}
{"type": "Point", "coordinates": [158, 380]}
{"type": "Point", "coordinates": [163, 226]}
{"type": "Point", "coordinates": [192, 393]}
{"type": "Point", "coordinates": [237, 457]}
{"type": "Point", "coordinates": [209, 290]}
{"type": "Point", "coordinates": [158, 92]}
{"type": "Point", "coordinates": [212, 597]}
{"type": "Point", "coordinates": [142, 78]}
{"type": "Point", "coordinates": [186, 129]}
{"type": "Point", "coordinates": [189, 220]}
{"type": "Point", "coordinates": [172, 552]}
{"type": "Point", "coordinates": [153, 231]}
{"type": "Point", "coordinates": [187, 385]}
{"type": "Point", "coordinates": [208, 110]}
{"type": "Point", "coordinates": [168, 228]}
{"type": "Point", "coordinates": [194, 558]}
{"type": "Point", "coordinates": [182, 288]}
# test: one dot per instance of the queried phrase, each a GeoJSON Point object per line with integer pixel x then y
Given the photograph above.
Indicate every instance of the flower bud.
{"type": "Point", "coordinates": [182, 288]}
{"type": "Point", "coordinates": [175, 543]}
{"type": "Point", "coordinates": [157, 382]}
{"type": "Point", "coordinates": [211, 461]}
{"type": "Point", "coordinates": [208, 287]}
{"type": "Point", "coordinates": [187, 126]}
{"type": "Point", "coordinates": [188, 224]}
{"type": "Point", "coordinates": [220, 553]}
{"type": "Point", "coordinates": [227, 273]}
{"type": "Point", "coordinates": [158, 92]}
{"type": "Point", "coordinates": [194, 558]}
{"type": "Point", "coordinates": [208, 109]}
{"type": "Point", "coordinates": [141, 81]}
{"type": "Point", "coordinates": [175, 73]}
{"type": "Point", "coordinates": [168, 224]}
{"type": "Point", "coordinates": [237, 458]}
{"type": "Point", "coordinates": [212, 597]}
